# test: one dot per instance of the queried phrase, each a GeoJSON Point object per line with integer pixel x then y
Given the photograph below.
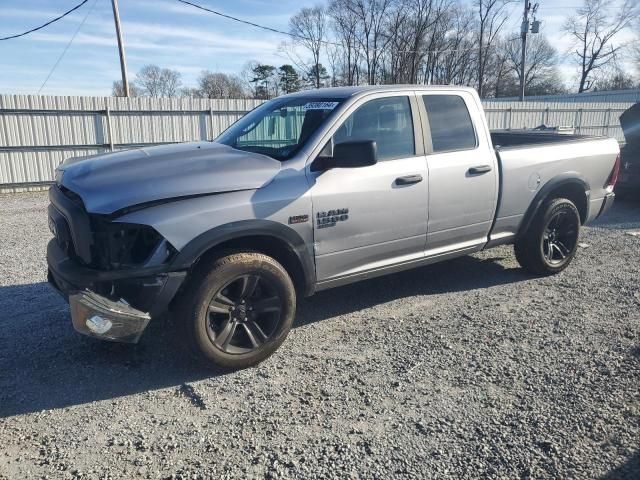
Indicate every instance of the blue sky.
{"type": "Point", "coordinates": [168, 34]}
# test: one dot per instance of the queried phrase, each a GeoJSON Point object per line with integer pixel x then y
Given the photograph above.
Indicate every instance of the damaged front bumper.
{"type": "Point", "coordinates": [102, 318]}
{"type": "Point", "coordinates": [111, 305]}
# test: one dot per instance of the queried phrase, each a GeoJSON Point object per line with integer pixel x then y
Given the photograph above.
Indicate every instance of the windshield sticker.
{"type": "Point", "coordinates": [320, 105]}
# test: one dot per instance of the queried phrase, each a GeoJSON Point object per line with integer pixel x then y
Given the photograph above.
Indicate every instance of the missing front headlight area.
{"type": "Point", "coordinates": [118, 246]}
{"type": "Point", "coordinates": [149, 293]}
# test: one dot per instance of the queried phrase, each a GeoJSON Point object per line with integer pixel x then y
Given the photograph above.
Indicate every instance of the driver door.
{"type": "Point", "coordinates": [366, 218]}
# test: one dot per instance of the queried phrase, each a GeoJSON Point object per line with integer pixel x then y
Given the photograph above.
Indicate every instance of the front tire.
{"type": "Point", "coordinates": [551, 241]}
{"type": "Point", "coordinates": [239, 310]}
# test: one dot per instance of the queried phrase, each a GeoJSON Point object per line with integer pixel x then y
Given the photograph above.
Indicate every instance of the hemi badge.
{"type": "Point", "coordinates": [298, 219]}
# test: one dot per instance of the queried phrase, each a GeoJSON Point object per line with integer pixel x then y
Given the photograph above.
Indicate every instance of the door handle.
{"type": "Point", "coordinates": [479, 169]}
{"type": "Point", "coordinates": [408, 180]}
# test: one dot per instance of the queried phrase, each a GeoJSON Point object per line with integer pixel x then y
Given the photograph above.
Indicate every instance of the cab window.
{"type": "Point", "coordinates": [387, 121]}
{"type": "Point", "coordinates": [450, 124]}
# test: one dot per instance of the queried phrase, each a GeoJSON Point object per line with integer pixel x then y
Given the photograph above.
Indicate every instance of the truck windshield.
{"type": "Point", "coordinates": [280, 127]}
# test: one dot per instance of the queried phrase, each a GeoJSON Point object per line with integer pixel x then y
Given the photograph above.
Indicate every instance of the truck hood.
{"type": "Point", "coordinates": [109, 182]}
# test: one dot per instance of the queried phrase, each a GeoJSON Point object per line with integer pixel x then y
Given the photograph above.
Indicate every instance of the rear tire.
{"type": "Point", "coordinates": [551, 241]}
{"type": "Point", "coordinates": [238, 310]}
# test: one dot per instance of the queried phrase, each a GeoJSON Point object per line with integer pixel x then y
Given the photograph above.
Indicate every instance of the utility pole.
{"type": "Point", "coordinates": [123, 61]}
{"type": "Point", "coordinates": [524, 30]}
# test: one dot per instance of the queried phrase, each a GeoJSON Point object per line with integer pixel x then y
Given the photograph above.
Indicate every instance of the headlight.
{"type": "Point", "coordinates": [128, 245]}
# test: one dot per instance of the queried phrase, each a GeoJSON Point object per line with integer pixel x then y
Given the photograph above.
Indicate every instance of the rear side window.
{"type": "Point", "coordinates": [387, 121]}
{"type": "Point", "coordinates": [450, 123]}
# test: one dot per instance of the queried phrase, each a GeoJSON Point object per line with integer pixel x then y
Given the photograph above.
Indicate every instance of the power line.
{"type": "Point", "coordinates": [67, 47]}
{"type": "Point", "coordinates": [247, 22]}
{"type": "Point", "coordinates": [45, 24]}
{"type": "Point", "coordinates": [326, 42]}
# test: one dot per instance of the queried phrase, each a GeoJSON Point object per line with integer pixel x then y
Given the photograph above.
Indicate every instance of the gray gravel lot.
{"type": "Point", "coordinates": [467, 369]}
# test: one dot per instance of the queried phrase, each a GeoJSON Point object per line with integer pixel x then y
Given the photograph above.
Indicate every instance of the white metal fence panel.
{"type": "Point", "coordinates": [38, 132]}
{"type": "Point", "coordinates": [631, 95]}
{"type": "Point", "coordinates": [586, 118]}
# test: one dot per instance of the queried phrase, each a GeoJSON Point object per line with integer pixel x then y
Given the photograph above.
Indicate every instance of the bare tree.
{"type": "Point", "coordinates": [118, 91]}
{"type": "Point", "coordinates": [452, 50]}
{"type": "Point", "coordinates": [540, 65]}
{"type": "Point", "coordinates": [190, 92]}
{"type": "Point", "coordinates": [345, 27]}
{"type": "Point", "coordinates": [492, 16]}
{"type": "Point", "coordinates": [593, 30]}
{"type": "Point", "coordinates": [153, 81]}
{"type": "Point", "coordinates": [219, 85]}
{"type": "Point", "coordinates": [427, 41]}
{"type": "Point", "coordinates": [246, 75]}
{"type": "Point", "coordinates": [614, 77]}
{"type": "Point", "coordinates": [309, 29]}
{"type": "Point", "coordinates": [334, 60]}
{"type": "Point", "coordinates": [371, 17]}
{"type": "Point", "coordinates": [416, 32]}
{"type": "Point", "coordinates": [503, 75]}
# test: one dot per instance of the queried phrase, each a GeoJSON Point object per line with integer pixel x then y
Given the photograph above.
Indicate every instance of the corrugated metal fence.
{"type": "Point", "coordinates": [587, 118]}
{"type": "Point", "coordinates": [631, 95]}
{"type": "Point", "coordinates": [38, 132]}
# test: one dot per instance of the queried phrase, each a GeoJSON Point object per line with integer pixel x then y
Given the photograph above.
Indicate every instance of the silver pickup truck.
{"type": "Point", "coordinates": [310, 191]}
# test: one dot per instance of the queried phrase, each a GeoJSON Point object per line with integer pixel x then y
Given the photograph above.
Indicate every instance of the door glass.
{"type": "Point", "coordinates": [387, 121]}
{"type": "Point", "coordinates": [449, 122]}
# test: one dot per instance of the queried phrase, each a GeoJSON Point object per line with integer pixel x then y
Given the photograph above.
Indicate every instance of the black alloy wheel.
{"type": "Point", "coordinates": [560, 237]}
{"type": "Point", "coordinates": [243, 314]}
{"type": "Point", "coordinates": [237, 309]}
{"type": "Point", "coordinates": [551, 241]}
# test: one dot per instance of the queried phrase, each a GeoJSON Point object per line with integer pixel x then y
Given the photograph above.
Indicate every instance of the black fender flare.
{"type": "Point", "coordinates": [193, 250]}
{"type": "Point", "coordinates": [569, 178]}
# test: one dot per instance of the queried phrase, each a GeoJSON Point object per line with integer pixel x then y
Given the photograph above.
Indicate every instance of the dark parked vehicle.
{"type": "Point", "coordinates": [629, 178]}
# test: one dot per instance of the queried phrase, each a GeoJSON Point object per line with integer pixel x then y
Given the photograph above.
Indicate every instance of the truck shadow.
{"type": "Point", "coordinates": [45, 365]}
{"type": "Point", "coordinates": [630, 470]}
{"type": "Point", "coordinates": [461, 274]}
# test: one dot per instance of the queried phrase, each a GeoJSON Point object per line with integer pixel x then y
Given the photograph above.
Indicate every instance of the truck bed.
{"type": "Point", "coordinates": [529, 160]}
{"type": "Point", "coordinates": [503, 139]}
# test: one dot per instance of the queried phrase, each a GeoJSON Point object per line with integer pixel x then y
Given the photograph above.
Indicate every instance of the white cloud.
{"type": "Point", "coordinates": [199, 37]}
{"type": "Point", "coordinates": [163, 37]}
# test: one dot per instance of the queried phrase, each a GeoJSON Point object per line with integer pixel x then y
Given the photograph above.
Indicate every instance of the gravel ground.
{"type": "Point", "coordinates": [467, 369]}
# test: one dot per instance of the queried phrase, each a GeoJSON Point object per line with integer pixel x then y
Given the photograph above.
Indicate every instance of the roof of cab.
{"type": "Point", "coordinates": [346, 92]}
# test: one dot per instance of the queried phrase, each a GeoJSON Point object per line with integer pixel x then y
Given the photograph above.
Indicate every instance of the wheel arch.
{"type": "Point", "coordinates": [571, 186]}
{"type": "Point", "coordinates": [271, 238]}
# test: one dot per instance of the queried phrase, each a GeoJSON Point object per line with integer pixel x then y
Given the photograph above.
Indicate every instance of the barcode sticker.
{"type": "Point", "coordinates": [320, 105]}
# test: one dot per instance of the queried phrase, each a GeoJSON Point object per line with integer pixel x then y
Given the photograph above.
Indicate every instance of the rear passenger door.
{"type": "Point", "coordinates": [463, 176]}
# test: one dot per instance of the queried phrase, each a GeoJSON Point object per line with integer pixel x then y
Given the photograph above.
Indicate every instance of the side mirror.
{"type": "Point", "coordinates": [349, 155]}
